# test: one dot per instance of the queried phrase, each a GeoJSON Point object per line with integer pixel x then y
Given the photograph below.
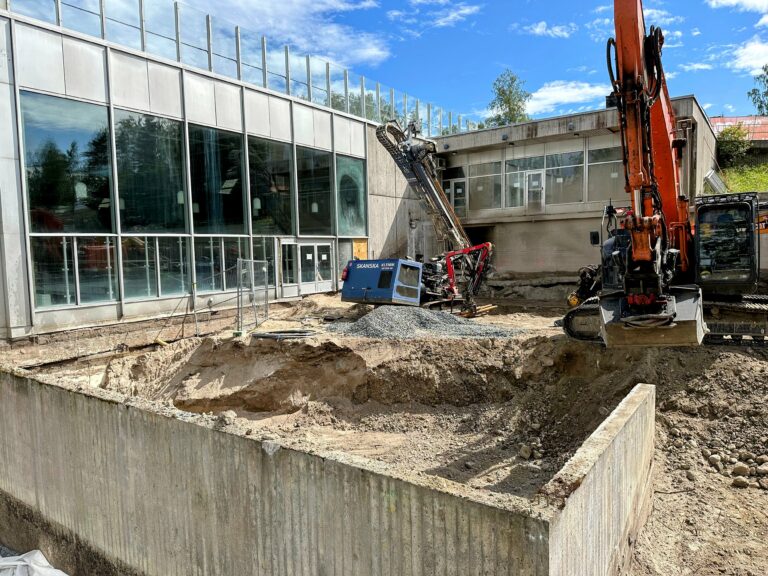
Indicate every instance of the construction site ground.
{"type": "Point", "coordinates": [498, 404]}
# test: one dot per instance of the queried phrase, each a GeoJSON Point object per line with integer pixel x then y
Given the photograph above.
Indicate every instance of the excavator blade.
{"type": "Point", "coordinates": [680, 324]}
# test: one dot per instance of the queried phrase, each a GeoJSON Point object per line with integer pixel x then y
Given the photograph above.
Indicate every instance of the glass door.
{"type": "Point", "coordinates": [535, 190]}
{"type": "Point", "coordinates": [316, 268]}
{"type": "Point", "coordinates": [325, 276]}
{"type": "Point", "coordinates": [308, 265]}
{"type": "Point", "coordinates": [459, 198]}
{"type": "Point", "coordinates": [289, 270]}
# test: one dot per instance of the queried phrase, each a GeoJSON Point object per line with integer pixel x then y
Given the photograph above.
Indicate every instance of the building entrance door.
{"type": "Point", "coordinates": [458, 197]}
{"type": "Point", "coordinates": [316, 265]}
{"type": "Point", "coordinates": [536, 192]}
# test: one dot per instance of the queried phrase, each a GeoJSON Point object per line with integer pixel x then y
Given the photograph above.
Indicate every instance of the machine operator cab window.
{"type": "Point", "coordinates": [726, 239]}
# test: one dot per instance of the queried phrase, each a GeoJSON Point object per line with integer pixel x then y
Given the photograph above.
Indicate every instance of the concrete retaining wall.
{"type": "Point", "coordinates": [156, 495]}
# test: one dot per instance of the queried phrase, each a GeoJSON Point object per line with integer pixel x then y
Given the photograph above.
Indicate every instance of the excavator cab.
{"type": "Point", "coordinates": [727, 244]}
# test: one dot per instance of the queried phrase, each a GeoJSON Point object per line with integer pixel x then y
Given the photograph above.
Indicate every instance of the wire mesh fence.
{"type": "Point", "coordinates": [252, 294]}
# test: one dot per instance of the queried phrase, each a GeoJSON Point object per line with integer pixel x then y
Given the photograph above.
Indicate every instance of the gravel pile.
{"type": "Point", "coordinates": [5, 553]}
{"type": "Point", "coordinates": [404, 322]}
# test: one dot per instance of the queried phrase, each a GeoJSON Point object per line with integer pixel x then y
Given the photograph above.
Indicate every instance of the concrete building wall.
{"type": "Point", "coordinates": [15, 315]}
{"type": "Point", "coordinates": [613, 473]}
{"type": "Point", "coordinates": [163, 497]}
{"type": "Point", "coordinates": [103, 479]}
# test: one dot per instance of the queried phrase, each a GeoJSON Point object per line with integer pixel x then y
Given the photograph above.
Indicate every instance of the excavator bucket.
{"type": "Point", "coordinates": [679, 324]}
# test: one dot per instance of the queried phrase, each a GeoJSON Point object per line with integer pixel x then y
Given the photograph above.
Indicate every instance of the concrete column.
{"type": "Point", "coordinates": [15, 306]}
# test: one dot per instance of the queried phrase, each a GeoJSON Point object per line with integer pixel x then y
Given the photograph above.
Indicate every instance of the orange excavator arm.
{"type": "Point", "coordinates": [652, 151]}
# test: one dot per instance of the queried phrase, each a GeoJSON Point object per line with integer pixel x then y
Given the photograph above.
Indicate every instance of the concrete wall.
{"type": "Point", "coordinates": [135, 487]}
{"type": "Point", "coordinates": [612, 473]}
{"type": "Point", "coordinates": [171, 498]}
{"type": "Point", "coordinates": [394, 208]}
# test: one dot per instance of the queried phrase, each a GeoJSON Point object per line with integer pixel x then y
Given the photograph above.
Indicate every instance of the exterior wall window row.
{"type": "Point", "coordinates": [77, 243]}
{"type": "Point", "coordinates": [565, 178]}
{"type": "Point", "coordinates": [485, 186]}
{"type": "Point", "coordinates": [606, 175]}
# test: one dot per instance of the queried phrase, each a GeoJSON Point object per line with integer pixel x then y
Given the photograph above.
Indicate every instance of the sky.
{"type": "Point", "coordinates": [450, 52]}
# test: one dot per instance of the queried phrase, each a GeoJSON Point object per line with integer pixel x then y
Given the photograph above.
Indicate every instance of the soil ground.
{"type": "Point", "coordinates": [499, 414]}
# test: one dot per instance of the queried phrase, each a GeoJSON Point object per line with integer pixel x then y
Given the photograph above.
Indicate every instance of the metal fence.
{"type": "Point", "coordinates": [178, 32]}
{"type": "Point", "coordinates": [252, 294]}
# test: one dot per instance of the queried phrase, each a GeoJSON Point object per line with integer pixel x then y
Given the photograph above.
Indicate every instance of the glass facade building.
{"type": "Point", "coordinates": [138, 195]}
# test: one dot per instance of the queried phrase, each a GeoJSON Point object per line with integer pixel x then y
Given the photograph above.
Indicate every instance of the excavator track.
{"type": "Point", "coordinates": [730, 323]}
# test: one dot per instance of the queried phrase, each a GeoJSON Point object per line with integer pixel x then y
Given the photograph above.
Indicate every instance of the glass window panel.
{"type": "Point", "coordinates": [150, 172]}
{"type": "Point", "coordinates": [276, 79]}
{"type": "Point", "coordinates": [216, 181]}
{"type": "Point", "coordinates": [251, 57]}
{"type": "Point", "coordinates": [174, 266]}
{"type": "Point", "coordinates": [53, 265]}
{"type": "Point", "coordinates": [454, 173]}
{"type": "Point", "coordinates": [208, 265]}
{"type": "Point", "coordinates": [355, 95]}
{"type": "Point", "coordinates": [40, 9]}
{"type": "Point", "coordinates": [139, 267]}
{"type": "Point", "coordinates": [315, 201]}
{"type": "Point", "coordinates": [193, 28]}
{"type": "Point", "coordinates": [485, 193]}
{"type": "Point", "coordinates": [371, 104]}
{"type": "Point", "coordinates": [567, 159]}
{"type": "Point", "coordinates": [234, 248]}
{"type": "Point", "coordinates": [525, 164]}
{"type": "Point", "coordinates": [606, 182]}
{"type": "Point", "coordinates": [160, 23]}
{"type": "Point", "coordinates": [515, 190]}
{"type": "Point", "coordinates": [386, 106]}
{"type": "Point", "coordinates": [350, 183]}
{"type": "Point", "coordinates": [324, 264]}
{"type": "Point", "coordinates": [97, 269]}
{"type": "Point", "coordinates": [338, 93]}
{"type": "Point", "coordinates": [82, 15]}
{"type": "Point", "coordinates": [308, 273]}
{"type": "Point", "coordinates": [123, 22]}
{"type": "Point", "coordinates": [66, 147]}
{"type": "Point", "coordinates": [319, 82]}
{"type": "Point", "coordinates": [290, 264]}
{"type": "Point", "coordinates": [299, 77]}
{"type": "Point", "coordinates": [460, 198]}
{"type": "Point", "coordinates": [565, 185]}
{"type": "Point", "coordinates": [605, 155]}
{"type": "Point", "coordinates": [271, 168]}
{"type": "Point", "coordinates": [264, 249]}
{"type": "Point", "coordinates": [485, 169]}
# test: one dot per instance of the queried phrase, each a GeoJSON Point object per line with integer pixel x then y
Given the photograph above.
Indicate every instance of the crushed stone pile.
{"type": "Point", "coordinates": [401, 322]}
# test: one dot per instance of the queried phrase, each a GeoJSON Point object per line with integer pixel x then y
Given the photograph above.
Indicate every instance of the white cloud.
{"type": "Point", "coordinates": [455, 14]}
{"type": "Point", "coordinates": [730, 108]}
{"type": "Point", "coordinates": [707, 106]}
{"type": "Point", "coordinates": [744, 5]}
{"type": "Point", "coordinates": [671, 75]}
{"type": "Point", "coordinates": [696, 67]}
{"type": "Point", "coordinates": [695, 32]}
{"type": "Point", "coordinates": [762, 22]}
{"type": "Point", "coordinates": [558, 31]}
{"type": "Point", "coordinates": [559, 93]}
{"type": "Point", "coordinates": [657, 17]}
{"type": "Point", "coordinates": [434, 14]}
{"type": "Point", "coordinates": [750, 57]}
{"type": "Point", "coordinates": [310, 26]}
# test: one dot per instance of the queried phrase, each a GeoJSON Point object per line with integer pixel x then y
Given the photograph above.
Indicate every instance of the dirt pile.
{"type": "Point", "coordinates": [405, 322]}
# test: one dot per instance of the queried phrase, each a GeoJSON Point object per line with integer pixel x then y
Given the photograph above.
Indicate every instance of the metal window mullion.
{"type": "Point", "coordinates": [295, 153]}
{"type": "Point", "coordinates": [309, 78]}
{"type": "Point", "coordinates": [363, 101]}
{"type": "Point", "coordinates": [191, 260]}
{"type": "Point", "coordinates": [156, 242]}
{"type": "Point", "coordinates": [209, 40]}
{"type": "Point", "coordinates": [58, 12]}
{"type": "Point", "coordinates": [142, 26]}
{"type": "Point", "coordinates": [264, 62]}
{"type": "Point", "coordinates": [239, 53]}
{"type": "Point", "coordinates": [346, 91]}
{"type": "Point", "coordinates": [103, 18]}
{"type": "Point", "coordinates": [246, 167]}
{"type": "Point", "coordinates": [287, 70]}
{"type": "Point", "coordinates": [116, 219]}
{"type": "Point", "coordinates": [378, 107]}
{"type": "Point", "coordinates": [328, 84]}
{"type": "Point", "coordinates": [177, 23]}
{"type": "Point", "coordinates": [76, 264]}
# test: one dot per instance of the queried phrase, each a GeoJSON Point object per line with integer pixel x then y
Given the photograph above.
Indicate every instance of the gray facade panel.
{"type": "Point", "coordinates": [130, 81]}
{"type": "Point", "coordinates": [165, 90]}
{"type": "Point", "coordinates": [257, 113]}
{"type": "Point", "coordinates": [6, 63]}
{"type": "Point", "coordinates": [280, 119]}
{"type": "Point", "coordinates": [228, 107]}
{"type": "Point", "coordinates": [200, 99]}
{"type": "Point", "coordinates": [40, 59]}
{"type": "Point", "coordinates": [85, 72]}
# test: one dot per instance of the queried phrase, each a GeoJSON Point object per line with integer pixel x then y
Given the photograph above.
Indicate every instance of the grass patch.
{"type": "Point", "coordinates": [747, 178]}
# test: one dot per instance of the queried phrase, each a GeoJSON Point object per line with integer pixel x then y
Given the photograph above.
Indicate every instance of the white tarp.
{"type": "Point", "coordinates": [29, 564]}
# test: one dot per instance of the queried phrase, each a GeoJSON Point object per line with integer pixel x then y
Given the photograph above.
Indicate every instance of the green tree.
{"type": "Point", "coordinates": [759, 95]}
{"type": "Point", "coordinates": [732, 145]}
{"type": "Point", "coordinates": [509, 100]}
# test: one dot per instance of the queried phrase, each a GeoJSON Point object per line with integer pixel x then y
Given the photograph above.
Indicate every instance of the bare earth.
{"type": "Point", "coordinates": [499, 414]}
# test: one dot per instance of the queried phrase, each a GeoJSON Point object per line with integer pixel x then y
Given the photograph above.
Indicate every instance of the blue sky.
{"type": "Point", "coordinates": [450, 52]}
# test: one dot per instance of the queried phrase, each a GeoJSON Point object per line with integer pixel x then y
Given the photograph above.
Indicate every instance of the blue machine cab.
{"type": "Point", "coordinates": [382, 282]}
